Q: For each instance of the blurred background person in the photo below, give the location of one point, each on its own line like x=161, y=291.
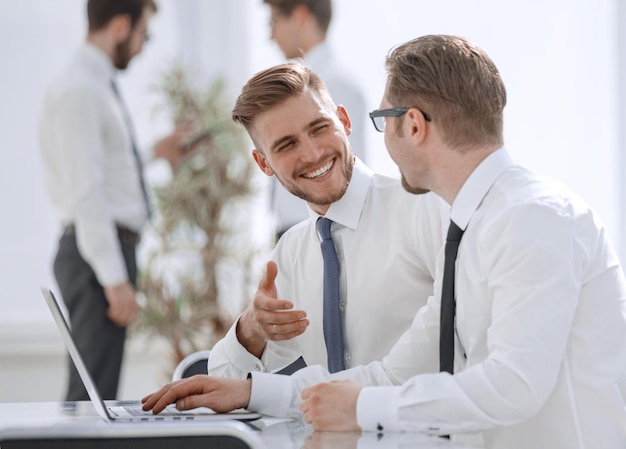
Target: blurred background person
x=300, y=28
x=93, y=174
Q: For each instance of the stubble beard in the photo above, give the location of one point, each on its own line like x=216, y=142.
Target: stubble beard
x=319, y=199
x=122, y=56
x=411, y=189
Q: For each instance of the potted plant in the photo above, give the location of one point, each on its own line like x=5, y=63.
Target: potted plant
x=195, y=241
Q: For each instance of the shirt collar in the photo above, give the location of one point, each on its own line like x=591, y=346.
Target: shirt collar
x=347, y=210
x=98, y=61
x=477, y=185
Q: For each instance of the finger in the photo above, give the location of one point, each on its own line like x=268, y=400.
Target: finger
x=191, y=402
x=306, y=393
x=269, y=303
x=278, y=332
x=281, y=317
x=115, y=315
x=271, y=271
x=150, y=400
x=169, y=394
x=133, y=312
x=121, y=317
x=304, y=406
x=282, y=337
x=276, y=323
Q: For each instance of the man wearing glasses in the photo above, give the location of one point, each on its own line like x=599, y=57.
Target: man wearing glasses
x=93, y=173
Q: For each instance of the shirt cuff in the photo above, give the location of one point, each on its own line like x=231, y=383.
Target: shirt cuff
x=377, y=409
x=234, y=353
x=271, y=394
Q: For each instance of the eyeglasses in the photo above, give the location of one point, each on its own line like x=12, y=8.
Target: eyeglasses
x=378, y=116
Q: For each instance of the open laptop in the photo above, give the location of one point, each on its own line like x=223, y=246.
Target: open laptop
x=129, y=411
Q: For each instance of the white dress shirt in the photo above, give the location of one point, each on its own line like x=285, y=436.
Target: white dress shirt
x=343, y=88
x=387, y=242
x=88, y=163
x=540, y=323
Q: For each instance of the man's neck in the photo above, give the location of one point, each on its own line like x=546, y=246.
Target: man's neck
x=457, y=167
x=101, y=41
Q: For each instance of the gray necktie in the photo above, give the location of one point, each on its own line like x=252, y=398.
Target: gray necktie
x=142, y=182
x=448, y=301
x=333, y=333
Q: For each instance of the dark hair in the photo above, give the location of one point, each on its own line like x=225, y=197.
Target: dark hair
x=455, y=82
x=100, y=12
x=271, y=87
x=322, y=10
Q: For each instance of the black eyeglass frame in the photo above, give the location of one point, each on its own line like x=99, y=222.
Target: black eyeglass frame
x=392, y=112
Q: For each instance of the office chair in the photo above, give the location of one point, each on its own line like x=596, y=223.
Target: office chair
x=195, y=363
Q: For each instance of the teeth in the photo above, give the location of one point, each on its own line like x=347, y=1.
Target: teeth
x=319, y=172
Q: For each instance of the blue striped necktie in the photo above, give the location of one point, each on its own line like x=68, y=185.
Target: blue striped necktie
x=333, y=332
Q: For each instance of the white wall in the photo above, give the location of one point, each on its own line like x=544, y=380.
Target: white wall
x=558, y=59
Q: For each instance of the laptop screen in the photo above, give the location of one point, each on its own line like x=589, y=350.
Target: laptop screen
x=66, y=334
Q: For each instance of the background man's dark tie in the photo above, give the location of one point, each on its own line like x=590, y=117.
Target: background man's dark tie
x=333, y=332
x=129, y=125
x=448, y=302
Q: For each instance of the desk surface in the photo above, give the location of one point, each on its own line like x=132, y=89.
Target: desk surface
x=50, y=421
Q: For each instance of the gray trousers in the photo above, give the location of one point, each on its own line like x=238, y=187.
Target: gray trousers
x=99, y=340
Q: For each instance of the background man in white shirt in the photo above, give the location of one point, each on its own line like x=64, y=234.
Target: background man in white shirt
x=93, y=175
x=301, y=138
x=299, y=28
x=540, y=293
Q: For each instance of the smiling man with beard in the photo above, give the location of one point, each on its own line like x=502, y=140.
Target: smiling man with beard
x=301, y=136
x=93, y=173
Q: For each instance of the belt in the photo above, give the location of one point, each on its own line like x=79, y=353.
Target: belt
x=123, y=233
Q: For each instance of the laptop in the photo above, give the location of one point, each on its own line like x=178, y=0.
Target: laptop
x=129, y=411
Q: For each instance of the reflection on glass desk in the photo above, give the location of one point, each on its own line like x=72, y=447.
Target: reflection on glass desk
x=70, y=425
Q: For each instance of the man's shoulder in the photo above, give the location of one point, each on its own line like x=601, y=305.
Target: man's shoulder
x=76, y=76
x=294, y=233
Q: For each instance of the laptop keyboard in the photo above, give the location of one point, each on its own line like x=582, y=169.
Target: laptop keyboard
x=137, y=411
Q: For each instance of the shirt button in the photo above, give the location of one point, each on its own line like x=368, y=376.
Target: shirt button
x=257, y=367
x=348, y=357
x=342, y=304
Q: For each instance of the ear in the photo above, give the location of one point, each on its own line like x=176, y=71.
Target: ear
x=261, y=161
x=120, y=27
x=300, y=14
x=416, y=125
x=344, y=118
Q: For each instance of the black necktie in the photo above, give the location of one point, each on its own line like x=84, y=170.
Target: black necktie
x=448, y=302
x=129, y=125
x=332, y=322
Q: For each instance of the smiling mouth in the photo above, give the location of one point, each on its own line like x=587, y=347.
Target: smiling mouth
x=320, y=171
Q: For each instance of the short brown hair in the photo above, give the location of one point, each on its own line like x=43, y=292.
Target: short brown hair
x=322, y=10
x=271, y=87
x=455, y=82
x=100, y=12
